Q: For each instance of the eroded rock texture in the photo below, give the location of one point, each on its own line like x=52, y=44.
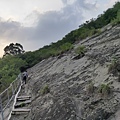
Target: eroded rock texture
x=67, y=80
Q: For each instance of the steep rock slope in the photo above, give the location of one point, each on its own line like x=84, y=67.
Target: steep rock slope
x=74, y=85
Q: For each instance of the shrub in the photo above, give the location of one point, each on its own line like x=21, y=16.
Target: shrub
x=45, y=90
x=117, y=19
x=104, y=89
x=66, y=47
x=98, y=31
x=22, y=105
x=80, y=50
x=114, y=67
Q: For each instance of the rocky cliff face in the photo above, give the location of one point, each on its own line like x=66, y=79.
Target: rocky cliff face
x=85, y=88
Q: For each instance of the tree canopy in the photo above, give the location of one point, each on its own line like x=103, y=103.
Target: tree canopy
x=13, y=49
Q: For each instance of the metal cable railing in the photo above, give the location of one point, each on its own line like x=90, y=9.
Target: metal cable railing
x=7, y=98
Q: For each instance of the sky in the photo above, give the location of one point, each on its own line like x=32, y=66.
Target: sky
x=36, y=23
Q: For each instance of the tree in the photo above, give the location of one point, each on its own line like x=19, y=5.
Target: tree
x=13, y=49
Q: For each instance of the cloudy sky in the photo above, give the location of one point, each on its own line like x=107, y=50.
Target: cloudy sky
x=35, y=23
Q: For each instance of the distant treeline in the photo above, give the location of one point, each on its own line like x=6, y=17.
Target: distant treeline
x=10, y=64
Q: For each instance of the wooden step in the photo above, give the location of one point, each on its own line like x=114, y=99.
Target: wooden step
x=20, y=97
x=22, y=104
x=20, y=111
x=23, y=99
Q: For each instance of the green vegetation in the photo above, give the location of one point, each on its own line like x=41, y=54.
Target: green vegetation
x=13, y=49
x=66, y=47
x=86, y=29
x=113, y=66
x=9, y=70
x=117, y=19
x=22, y=105
x=104, y=89
x=15, y=57
x=80, y=50
x=45, y=90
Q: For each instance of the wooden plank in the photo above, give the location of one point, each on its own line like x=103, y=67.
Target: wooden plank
x=23, y=97
x=22, y=104
x=21, y=110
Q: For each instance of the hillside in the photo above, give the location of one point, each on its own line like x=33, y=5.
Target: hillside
x=72, y=86
x=11, y=64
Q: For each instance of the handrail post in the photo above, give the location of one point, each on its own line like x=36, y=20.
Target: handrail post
x=1, y=108
x=14, y=88
x=13, y=92
x=8, y=96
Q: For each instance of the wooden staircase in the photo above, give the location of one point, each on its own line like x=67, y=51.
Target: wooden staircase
x=23, y=98
x=22, y=103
